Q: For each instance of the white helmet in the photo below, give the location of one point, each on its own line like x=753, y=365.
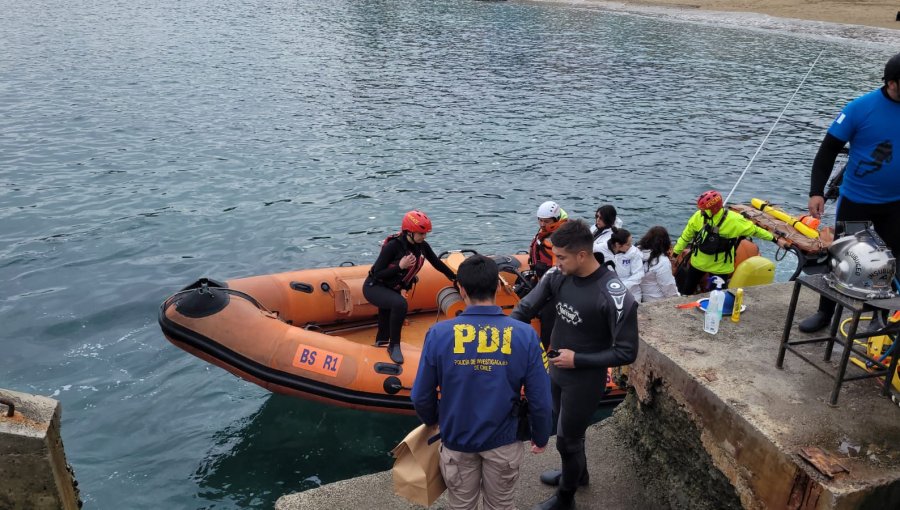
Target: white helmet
x=548, y=209
x=862, y=266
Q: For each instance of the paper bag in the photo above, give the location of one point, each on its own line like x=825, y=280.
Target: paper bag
x=417, y=471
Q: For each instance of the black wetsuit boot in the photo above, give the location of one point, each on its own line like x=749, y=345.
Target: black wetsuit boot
x=393, y=350
x=574, y=467
x=551, y=477
x=561, y=500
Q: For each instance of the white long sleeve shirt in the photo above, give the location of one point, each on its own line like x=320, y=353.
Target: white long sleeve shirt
x=658, y=282
x=601, y=242
x=630, y=268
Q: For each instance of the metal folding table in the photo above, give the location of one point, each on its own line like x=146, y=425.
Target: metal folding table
x=856, y=307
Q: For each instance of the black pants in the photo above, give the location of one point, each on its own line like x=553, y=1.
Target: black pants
x=693, y=278
x=392, y=309
x=575, y=404
x=883, y=218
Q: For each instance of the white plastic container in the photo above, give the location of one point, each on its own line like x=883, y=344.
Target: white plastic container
x=714, y=307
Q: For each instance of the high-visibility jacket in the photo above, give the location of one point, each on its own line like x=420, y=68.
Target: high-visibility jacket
x=733, y=227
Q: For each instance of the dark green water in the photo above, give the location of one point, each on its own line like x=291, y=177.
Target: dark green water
x=145, y=144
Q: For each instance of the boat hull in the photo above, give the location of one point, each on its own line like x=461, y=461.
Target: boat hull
x=310, y=333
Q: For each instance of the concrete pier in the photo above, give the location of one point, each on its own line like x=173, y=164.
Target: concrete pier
x=615, y=481
x=753, y=420
x=712, y=424
x=33, y=469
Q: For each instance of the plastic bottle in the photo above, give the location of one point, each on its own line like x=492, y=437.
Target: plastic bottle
x=736, y=309
x=714, y=307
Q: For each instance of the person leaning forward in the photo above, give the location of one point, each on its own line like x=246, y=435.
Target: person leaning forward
x=481, y=360
x=870, y=190
x=595, y=328
x=713, y=234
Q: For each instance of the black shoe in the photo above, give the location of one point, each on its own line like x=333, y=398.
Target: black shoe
x=561, y=500
x=876, y=323
x=553, y=476
x=382, y=343
x=395, y=354
x=815, y=322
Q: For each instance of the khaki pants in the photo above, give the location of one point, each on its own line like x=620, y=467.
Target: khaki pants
x=490, y=476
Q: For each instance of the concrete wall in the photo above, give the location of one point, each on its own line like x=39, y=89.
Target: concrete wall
x=712, y=411
x=33, y=469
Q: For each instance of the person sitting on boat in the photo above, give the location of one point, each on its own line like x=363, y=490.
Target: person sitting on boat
x=629, y=264
x=402, y=257
x=479, y=362
x=713, y=234
x=540, y=256
x=604, y=220
x=658, y=281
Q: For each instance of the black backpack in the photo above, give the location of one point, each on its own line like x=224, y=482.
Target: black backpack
x=709, y=241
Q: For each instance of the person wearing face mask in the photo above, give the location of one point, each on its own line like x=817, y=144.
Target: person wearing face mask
x=658, y=281
x=605, y=219
x=713, y=234
x=629, y=264
x=402, y=256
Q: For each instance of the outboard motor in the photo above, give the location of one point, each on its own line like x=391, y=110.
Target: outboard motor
x=862, y=266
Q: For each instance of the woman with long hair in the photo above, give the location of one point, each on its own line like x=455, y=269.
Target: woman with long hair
x=658, y=282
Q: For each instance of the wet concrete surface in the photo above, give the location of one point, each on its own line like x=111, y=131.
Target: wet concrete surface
x=712, y=423
x=615, y=481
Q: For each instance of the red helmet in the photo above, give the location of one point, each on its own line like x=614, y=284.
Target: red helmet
x=710, y=201
x=416, y=221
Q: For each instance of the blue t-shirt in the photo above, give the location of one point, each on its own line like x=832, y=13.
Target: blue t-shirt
x=481, y=360
x=871, y=123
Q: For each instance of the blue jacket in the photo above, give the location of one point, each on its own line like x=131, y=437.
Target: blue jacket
x=480, y=360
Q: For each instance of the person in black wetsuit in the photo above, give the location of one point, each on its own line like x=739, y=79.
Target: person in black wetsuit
x=595, y=328
x=402, y=257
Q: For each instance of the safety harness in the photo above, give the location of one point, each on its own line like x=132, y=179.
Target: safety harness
x=708, y=240
x=408, y=279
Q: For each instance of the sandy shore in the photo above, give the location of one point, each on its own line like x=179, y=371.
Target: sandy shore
x=870, y=13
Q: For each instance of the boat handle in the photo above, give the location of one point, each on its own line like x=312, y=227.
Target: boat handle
x=12, y=407
x=392, y=385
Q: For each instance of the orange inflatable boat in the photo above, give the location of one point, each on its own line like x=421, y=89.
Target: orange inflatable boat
x=311, y=333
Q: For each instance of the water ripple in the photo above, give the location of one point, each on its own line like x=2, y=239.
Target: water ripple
x=145, y=144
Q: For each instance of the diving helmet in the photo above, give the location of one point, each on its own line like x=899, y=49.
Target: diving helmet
x=862, y=266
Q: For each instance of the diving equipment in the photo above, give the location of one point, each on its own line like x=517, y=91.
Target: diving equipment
x=862, y=266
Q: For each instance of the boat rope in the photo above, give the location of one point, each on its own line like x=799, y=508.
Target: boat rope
x=772, y=129
x=171, y=300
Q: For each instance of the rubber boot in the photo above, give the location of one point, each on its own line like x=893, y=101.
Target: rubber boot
x=815, y=322
x=552, y=477
x=394, y=352
x=561, y=500
x=876, y=323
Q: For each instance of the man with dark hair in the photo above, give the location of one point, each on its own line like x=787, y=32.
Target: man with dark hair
x=595, y=328
x=870, y=190
x=481, y=360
